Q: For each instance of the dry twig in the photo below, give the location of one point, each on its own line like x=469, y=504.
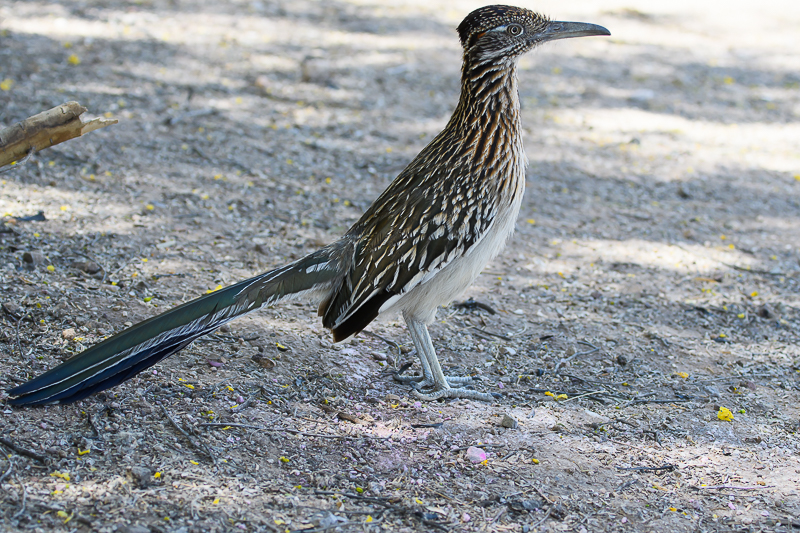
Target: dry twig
x=667, y=468
x=289, y=430
x=19, y=164
x=576, y=354
x=733, y=487
x=201, y=446
x=10, y=467
x=24, y=498
x=22, y=451
x=46, y=129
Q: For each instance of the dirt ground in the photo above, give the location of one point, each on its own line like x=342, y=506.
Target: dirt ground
x=653, y=278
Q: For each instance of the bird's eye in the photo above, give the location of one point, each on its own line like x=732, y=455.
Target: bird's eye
x=514, y=29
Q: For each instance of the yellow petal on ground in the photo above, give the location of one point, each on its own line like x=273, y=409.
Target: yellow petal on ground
x=725, y=414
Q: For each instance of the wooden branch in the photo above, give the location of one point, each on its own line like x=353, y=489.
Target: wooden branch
x=46, y=129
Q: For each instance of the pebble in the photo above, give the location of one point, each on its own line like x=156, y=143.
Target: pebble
x=596, y=418
x=509, y=350
x=68, y=334
x=476, y=455
x=35, y=257
x=509, y=422
x=11, y=308
x=90, y=267
x=765, y=311
x=642, y=95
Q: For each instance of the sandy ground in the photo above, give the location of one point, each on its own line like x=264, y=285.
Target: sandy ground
x=652, y=280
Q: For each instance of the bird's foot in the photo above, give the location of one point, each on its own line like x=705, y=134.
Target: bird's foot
x=415, y=381
x=461, y=393
x=424, y=382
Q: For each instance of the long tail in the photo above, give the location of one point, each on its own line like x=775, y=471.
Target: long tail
x=127, y=353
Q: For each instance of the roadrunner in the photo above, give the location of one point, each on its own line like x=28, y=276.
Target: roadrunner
x=418, y=246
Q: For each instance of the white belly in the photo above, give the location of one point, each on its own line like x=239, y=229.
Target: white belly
x=422, y=301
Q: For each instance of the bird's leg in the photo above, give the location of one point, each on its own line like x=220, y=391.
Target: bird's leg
x=442, y=385
x=425, y=380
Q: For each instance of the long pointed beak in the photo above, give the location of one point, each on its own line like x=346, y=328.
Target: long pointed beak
x=566, y=30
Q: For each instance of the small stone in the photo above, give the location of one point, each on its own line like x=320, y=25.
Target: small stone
x=509, y=422
x=262, y=249
x=392, y=398
x=765, y=311
x=748, y=384
x=90, y=267
x=34, y=258
x=596, y=419
x=642, y=96
x=260, y=360
x=476, y=455
x=379, y=356
x=11, y=308
x=140, y=475
x=132, y=528
x=509, y=350
x=317, y=70
x=69, y=334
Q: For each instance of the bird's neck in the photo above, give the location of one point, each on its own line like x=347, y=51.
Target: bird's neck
x=486, y=124
x=489, y=91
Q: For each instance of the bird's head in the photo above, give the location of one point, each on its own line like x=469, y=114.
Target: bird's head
x=501, y=33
